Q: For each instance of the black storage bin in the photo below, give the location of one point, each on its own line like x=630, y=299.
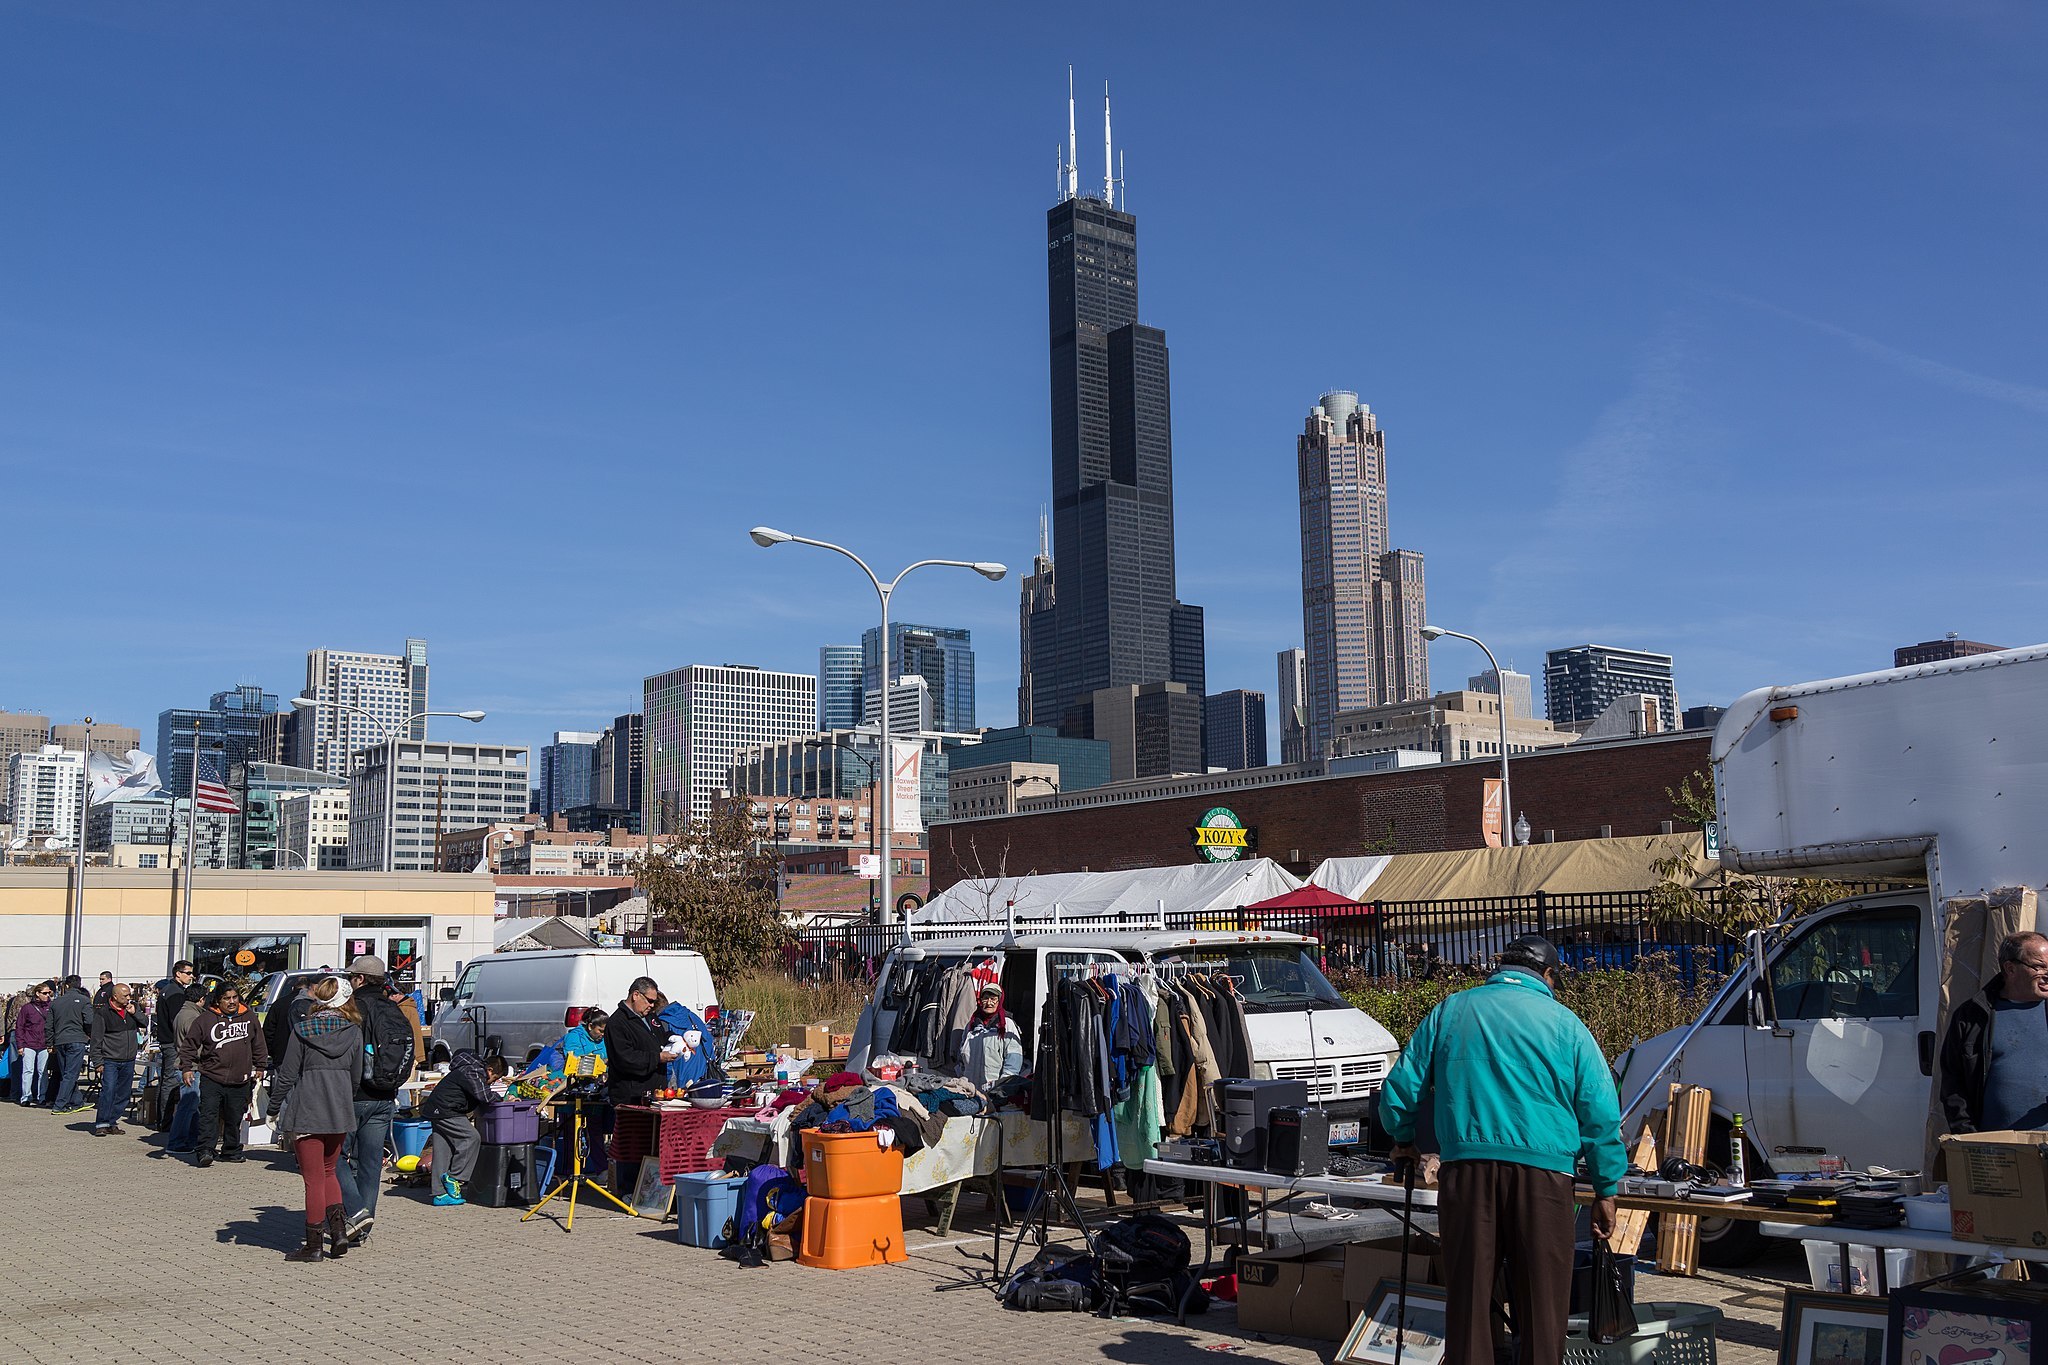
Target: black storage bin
x=505, y=1176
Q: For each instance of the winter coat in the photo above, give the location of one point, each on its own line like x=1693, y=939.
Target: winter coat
x=71, y=1019
x=465, y=1089
x=1966, y=1058
x=32, y=1027
x=989, y=1053
x=632, y=1056
x=116, y=1033
x=170, y=998
x=226, y=1049
x=315, y=1090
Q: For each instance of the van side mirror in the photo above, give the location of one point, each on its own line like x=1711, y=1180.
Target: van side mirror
x=447, y=996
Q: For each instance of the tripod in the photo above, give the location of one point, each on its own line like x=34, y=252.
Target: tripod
x=575, y=1180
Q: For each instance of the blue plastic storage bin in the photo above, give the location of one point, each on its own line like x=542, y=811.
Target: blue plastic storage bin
x=705, y=1203
x=410, y=1136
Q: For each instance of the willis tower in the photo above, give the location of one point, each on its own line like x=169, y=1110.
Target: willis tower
x=1109, y=618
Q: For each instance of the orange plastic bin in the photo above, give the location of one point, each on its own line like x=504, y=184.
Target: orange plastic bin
x=850, y=1166
x=845, y=1234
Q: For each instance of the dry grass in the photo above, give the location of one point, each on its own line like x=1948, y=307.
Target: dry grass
x=780, y=1004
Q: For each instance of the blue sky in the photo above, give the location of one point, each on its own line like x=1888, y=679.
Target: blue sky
x=1710, y=329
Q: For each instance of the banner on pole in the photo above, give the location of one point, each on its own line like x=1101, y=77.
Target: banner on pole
x=906, y=798
x=121, y=779
x=1490, y=819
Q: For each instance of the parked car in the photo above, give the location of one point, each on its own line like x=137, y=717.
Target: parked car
x=527, y=1000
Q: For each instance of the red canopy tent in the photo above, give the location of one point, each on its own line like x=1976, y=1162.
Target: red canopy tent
x=1317, y=901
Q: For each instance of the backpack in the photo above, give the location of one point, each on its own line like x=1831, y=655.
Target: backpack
x=1057, y=1280
x=387, y=1038
x=1146, y=1246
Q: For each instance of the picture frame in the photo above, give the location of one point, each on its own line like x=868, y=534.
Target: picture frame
x=1820, y=1328
x=651, y=1195
x=1982, y=1322
x=1423, y=1327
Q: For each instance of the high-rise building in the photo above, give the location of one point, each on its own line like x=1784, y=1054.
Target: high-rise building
x=1701, y=717
x=941, y=655
x=263, y=789
x=698, y=717
x=373, y=695
x=1949, y=646
x=1293, y=702
x=567, y=768
x=620, y=768
x=1362, y=601
x=232, y=719
x=1580, y=682
x=312, y=830
x=1034, y=598
x=1520, y=690
x=1080, y=763
x=912, y=709
x=1113, y=621
x=438, y=787
x=839, y=687
x=20, y=733
x=97, y=737
x=842, y=764
x=1153, y=729
x=1234, y=729
x=44, y=788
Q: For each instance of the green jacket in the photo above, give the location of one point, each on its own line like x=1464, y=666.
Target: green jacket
x=1513, y=1076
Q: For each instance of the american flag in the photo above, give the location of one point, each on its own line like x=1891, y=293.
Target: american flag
x=208, y=792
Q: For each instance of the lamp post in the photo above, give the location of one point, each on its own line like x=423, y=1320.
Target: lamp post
x=767, y=537
x=1507, y=805
x=75, y=950
x=391, y=737
x=1017, y=782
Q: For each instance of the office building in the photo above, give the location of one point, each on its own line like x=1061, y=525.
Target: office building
x=1580, y=682
x=1113, y=621
x=438, y=787
x=263, y=788
x=996, y=788
x=150, y=832
x=1949, y=646
x=1362, y=601
x=20, y=733
x=1234, y=730
x=562, y=852
x=1081, y=763
x=1293, y=703
x=567, y=771
x=600, y=818
x=232, y=719
x=97, y=737
x=839, y=687
x=1152, y=729
x=1034, y=598
x=312, y=830
x=941, y=655
x=381, y=694
x=842, y=764
x=44, y=788
x=619, y=770
x=699, y=717
x=1701, y=717
x=912, y=708
x=1453, y=725
x=1520, y=689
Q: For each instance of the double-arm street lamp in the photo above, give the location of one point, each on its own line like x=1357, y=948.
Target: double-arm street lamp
x=391, y=737
x=1500, y=684
x=767, y=537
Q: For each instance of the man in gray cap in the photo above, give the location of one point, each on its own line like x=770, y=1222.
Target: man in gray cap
x=391, y=1052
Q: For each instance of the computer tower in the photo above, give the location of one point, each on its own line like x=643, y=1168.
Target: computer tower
x=1298, y=1141
x=1242, y=1108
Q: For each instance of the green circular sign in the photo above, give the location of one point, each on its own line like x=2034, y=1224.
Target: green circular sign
x=1221, y=837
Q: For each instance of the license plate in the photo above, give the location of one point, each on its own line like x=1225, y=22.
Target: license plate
x=1344, y=1133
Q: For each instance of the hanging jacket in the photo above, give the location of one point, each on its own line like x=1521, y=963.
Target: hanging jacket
x=676, y=1018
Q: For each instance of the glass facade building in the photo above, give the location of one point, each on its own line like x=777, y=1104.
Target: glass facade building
x=942, y=655
x=1234, y=729
x=233, y=719
x=1083, y=763
x=1579, y=682
x=567, y=768
x=839, y=686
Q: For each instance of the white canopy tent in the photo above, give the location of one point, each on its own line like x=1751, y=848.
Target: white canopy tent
x=1135, y=893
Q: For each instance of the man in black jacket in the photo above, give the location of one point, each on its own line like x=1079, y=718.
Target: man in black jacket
x=171, y=994
x=635, y=1056
x=1994, y=1061
x=70, y=1035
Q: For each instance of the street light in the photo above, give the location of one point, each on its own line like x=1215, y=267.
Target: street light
x=391, y=737
x=767, y=537
x=1017, y=782
x=1507, y=805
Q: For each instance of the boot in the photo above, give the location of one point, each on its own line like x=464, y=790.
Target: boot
x=337, y=1231
x=311, y=1250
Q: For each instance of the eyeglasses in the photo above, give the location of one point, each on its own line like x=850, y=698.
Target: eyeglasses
x=2032, y=968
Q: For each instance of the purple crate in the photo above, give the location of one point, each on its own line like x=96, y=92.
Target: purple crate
x=510, y=1122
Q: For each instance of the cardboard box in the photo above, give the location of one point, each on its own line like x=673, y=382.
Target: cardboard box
x=815, y=1039
x=1998, y=1187
x=1367, y=1263
x=1287, y=1293
x=842, y=1045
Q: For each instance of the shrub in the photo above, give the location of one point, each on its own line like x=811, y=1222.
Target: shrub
x=780, y=1004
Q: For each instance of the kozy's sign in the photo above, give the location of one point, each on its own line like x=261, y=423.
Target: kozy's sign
x=1221, y=837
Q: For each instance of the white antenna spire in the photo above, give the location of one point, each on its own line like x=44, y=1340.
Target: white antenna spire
x=1119, y=181
x=1073, y=174
x=1044, y=545
x=1059, y=168
x=1108, y=161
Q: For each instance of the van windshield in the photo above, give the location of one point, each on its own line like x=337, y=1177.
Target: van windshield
x=1270, y=976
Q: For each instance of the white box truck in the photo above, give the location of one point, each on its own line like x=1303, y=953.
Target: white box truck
x=1824, y=1039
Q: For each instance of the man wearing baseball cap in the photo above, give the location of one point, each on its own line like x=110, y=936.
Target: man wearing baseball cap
x=391, y=1047
x=1519, y=1092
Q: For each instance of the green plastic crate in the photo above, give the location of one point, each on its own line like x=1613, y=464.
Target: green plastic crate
x=1666, y=1334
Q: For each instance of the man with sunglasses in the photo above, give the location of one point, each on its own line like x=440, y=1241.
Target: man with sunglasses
x=1994, y=1061
x=634, y=1045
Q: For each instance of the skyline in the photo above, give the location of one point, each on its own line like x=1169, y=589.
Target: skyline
x=1732, y=332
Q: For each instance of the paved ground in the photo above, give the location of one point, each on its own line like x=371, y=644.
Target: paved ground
x=107, y=1248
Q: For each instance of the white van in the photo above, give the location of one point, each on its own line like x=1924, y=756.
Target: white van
x=1300, y=1028
x=529, y=1000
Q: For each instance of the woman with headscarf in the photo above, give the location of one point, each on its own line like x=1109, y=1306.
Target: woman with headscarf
x=313, y=1097
x=992, y=1049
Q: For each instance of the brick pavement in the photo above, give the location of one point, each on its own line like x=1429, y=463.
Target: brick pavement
x=106, y=1247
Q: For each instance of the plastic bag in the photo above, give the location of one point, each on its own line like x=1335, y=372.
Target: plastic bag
x=1612, y=1313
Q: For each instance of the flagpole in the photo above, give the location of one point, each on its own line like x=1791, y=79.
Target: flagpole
x=191, y=833
x=76, y=962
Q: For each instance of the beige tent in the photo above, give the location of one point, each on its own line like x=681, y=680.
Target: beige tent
x=1558, y=869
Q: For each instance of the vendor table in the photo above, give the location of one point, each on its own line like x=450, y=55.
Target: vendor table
x=1894, y=1239
x=1372, y=1189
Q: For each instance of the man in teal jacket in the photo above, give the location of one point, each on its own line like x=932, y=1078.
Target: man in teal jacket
x=1517, y=1091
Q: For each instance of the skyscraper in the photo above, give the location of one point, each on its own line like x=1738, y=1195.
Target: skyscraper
x=1234, y=729
x=1034, y=598
x=390, y=688
x=567, y=769
x=1116, y=619
x=839, y=687
x=942, y=655
x=1293, y=702
x=619, y=772
x=1579, y=682
x=1519, y=691
x=698, y=717
x=1362, y=603
x=234, y=719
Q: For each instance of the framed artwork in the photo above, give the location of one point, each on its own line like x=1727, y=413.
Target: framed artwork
x=650, y=1196
x=1833, y=1329
x=1987, y=1322
x=1422, y=1320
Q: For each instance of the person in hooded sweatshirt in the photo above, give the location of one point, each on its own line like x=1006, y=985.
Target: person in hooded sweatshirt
x=457, y=1144
x=313, y=1098
x=221, y=1056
